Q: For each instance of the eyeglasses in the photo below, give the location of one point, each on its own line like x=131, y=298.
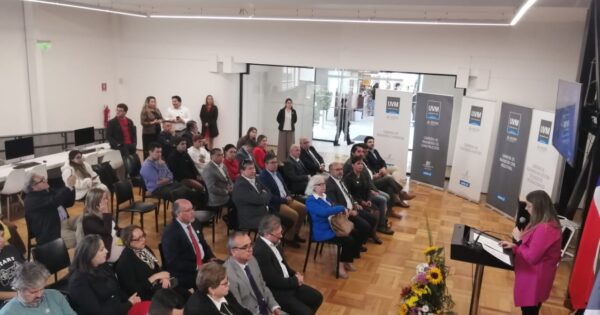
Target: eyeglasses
x=247, y=247
x=43, y=180
x=224, y=283
x=143, y=236
x=319, y=184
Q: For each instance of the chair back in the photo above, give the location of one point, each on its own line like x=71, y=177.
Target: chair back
x=163, y=260
x=91, y=159
x=114, y=158
x=39, y=170
x=107, y=174
x=133, y=165
x=123, y=191
x=53, y=255
x=15, y=182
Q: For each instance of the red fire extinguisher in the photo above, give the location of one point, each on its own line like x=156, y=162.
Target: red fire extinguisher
x=106, y=115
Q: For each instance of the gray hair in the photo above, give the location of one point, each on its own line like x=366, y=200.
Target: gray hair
x=334, y=164
x=30, y=275
x=231, y=240
x=310, y=188
x=268, y=224
x=295, y=145
x=177, y=206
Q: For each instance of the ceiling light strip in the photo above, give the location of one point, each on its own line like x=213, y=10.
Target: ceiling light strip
x=85, y=7
x=325, y=20
x=522, y=10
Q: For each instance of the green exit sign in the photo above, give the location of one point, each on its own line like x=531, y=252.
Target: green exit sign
x=43, y=45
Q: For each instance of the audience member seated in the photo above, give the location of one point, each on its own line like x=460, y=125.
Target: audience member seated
x=159, y=179
x=86, y=177
x=121, y=133
x=191, y=130
x=250, y=135
x=217, y=181
x=98, y=219
x=245, y=153
x=165, y=138
x=287, y=285
x=93, y=287
x=45, y=208
x=364, y=218
x=231, y=163
x=183, y=244
x=311, y=159
x=250, y=198
x=184, y=170
x=198, y=153
x=9, y=260
x=294, y=171
x=361, y=189
x=246, y=282
x=319, y=209
x=166, y=302
x=213, y=296
x=260, y=151
x=31, y=297
x=282, y=202
x=138, y=269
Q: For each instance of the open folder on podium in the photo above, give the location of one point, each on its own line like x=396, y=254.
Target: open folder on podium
x=476, y=247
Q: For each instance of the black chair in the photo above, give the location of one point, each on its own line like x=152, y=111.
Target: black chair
x=133, y=165
x=55, y=257
x=159, y=200
x=162, y=256
x=30, y=238
x=181, y=194
x=322, y=243
x=124, y=192
x=108, y=177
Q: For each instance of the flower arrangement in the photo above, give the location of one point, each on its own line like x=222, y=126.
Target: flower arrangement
x=427, y=292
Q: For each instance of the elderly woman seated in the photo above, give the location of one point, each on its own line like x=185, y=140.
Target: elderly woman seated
x=320, y=209
x=32, y=298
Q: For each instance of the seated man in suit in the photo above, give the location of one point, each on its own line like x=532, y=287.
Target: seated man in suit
x=365, y=219
x=311, y=159
x=287, y=285
x=245, y=153
x=281, y=202
x=245, y=279
x=45, y=208
x=250, y=197
x=183, y=244
x=217, y=181
x=294, y=171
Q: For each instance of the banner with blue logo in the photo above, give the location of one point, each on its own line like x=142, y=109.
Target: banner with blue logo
x=542, y=162
x=509, y=158
x=471, y=153
x=433, y=116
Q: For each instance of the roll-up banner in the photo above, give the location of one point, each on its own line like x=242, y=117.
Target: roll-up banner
x=542, y=163
x=472, y=147
x=391, y=127
x=433, y=116
x=509, y=158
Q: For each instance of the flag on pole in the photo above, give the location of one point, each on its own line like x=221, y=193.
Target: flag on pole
x=593, y=307
x=584, y=270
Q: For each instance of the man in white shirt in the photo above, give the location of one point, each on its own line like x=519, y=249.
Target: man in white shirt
x=177, y=114
x=198, y=153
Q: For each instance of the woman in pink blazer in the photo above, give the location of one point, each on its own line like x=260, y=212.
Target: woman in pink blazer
x=536, y=253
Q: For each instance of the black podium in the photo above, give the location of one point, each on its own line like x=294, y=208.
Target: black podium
x=464, y=248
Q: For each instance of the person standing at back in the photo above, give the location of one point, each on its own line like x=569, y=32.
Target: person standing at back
x=150, y=118
x=208, y=116
x=286, y=118
x=120, y=132
x=178, y=114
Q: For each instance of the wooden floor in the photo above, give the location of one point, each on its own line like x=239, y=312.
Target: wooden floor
x=385, y=269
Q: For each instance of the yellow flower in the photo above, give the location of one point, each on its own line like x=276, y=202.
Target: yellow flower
x=420, y=290
x=430, y=250
x=412, y=301
x=434, y=275
x=403, y=309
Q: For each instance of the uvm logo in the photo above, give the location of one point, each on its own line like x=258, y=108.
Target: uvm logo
x=475, y=116
x=544, y=134
x=514, y=122
x=433, y=110
x=392, y=106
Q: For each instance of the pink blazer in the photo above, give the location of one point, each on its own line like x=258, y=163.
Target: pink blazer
x=535, y=264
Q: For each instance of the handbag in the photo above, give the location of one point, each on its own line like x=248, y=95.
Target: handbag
x=340, y=224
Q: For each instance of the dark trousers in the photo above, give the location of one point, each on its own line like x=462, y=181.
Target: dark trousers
x=350, y=247
x=362, y=227
x=531, y=310
x=390, y=186
x=302, y=301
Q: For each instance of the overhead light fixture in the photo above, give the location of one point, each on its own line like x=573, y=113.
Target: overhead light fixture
x=325, y=20
x=528, y=4
x=86, y=7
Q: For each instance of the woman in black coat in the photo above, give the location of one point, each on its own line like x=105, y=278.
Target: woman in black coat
x=208, y=116
x=98, y=219
x=286, y=118
x=93, y=287
x=138, y=269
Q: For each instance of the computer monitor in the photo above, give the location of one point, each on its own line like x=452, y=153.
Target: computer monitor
x=84, y=136
x=18, y=148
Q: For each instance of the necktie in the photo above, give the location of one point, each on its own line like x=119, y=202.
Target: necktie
x=196, y=246
x=313, y=157
x=262, y=304
x=224, y=310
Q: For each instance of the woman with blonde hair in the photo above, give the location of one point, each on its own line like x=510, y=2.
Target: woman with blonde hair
x=98, y=219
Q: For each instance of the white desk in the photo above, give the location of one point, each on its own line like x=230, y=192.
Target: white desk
x=55, y=160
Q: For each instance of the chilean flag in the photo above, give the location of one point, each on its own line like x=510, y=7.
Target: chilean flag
x=593, y=307
x=586, y=262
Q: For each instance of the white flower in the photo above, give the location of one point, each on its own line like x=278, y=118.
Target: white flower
x=425, y=308
x=422, y=267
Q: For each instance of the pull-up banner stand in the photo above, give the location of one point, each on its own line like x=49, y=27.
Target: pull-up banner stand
x=391, y=127
x=472, y=147
x=509, y=158
x=433, y=116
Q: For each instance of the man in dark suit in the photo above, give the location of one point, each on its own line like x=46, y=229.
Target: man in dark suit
x=183, y=245
x=281, y=202
x=294, y=172
x=120, y=132
x=245, y=153
x=365, y=219
x=250, y=197
x=311, y=159
x=287, y=285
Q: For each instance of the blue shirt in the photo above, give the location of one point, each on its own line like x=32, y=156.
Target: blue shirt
x=152, y=171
